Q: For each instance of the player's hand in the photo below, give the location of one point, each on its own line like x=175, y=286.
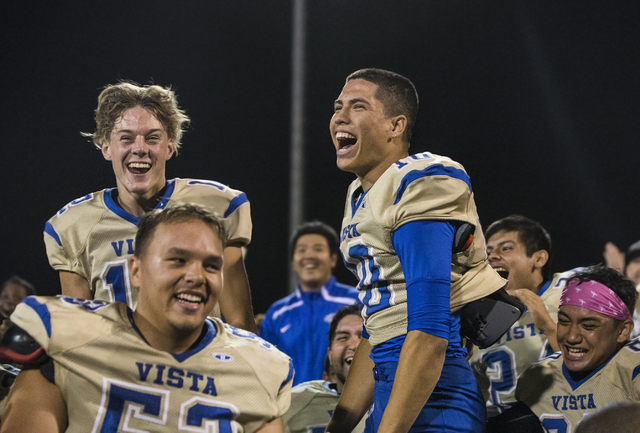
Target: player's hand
x=539, y=314
x=613, y=257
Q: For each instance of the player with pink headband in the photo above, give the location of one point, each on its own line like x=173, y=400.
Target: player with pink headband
x=597, y=364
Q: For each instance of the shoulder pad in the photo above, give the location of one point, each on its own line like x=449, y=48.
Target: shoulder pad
x=18, y=347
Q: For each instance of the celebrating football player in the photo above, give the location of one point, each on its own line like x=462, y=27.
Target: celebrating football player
x=163, y=367
x=403, y=215
x=90, y=239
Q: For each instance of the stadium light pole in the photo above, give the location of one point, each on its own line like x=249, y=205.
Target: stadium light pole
x=296, y=171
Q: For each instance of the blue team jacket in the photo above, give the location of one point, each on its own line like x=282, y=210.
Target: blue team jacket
x=299, y=326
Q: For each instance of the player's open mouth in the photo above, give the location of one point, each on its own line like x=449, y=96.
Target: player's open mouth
x=139, y=167
x=575, y=352
x=345, y=141
x=504, y=273
x=349, y=360
x=189, y=299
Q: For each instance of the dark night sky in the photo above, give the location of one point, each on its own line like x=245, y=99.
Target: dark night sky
x=538, y=99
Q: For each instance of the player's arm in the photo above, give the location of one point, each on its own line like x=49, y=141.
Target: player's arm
x=235, y=300
x=75, y=285
x=539, y=314
x=428, y=278
x=419, y=368
x=275, y=426
x=357, y=394
x=34, y=405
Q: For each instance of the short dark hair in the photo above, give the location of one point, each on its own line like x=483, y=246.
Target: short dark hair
x=316, y=228
x=172, y=215
x=397, y=94
x=28, y=287
x=618, y=283
x=530, y=233
x=343, y=312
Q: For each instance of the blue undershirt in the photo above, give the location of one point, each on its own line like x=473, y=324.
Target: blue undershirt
x=424, y=249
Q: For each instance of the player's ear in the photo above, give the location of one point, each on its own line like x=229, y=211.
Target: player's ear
x=171, y=149
x=398, y=125
x=106, y=150
x=134, y=270
x=540, y=258
x=625, y=331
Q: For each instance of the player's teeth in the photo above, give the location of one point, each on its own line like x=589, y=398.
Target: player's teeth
x=189, y=298
x=348, y=360
x=139, y=165
x=340, y=135
x=576, y=352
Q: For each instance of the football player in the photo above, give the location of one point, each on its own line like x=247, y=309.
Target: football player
x=520, y=250
x=163, y=367
x=89, y=241
x=313, y=402
x=401, y=220
x=597, y=364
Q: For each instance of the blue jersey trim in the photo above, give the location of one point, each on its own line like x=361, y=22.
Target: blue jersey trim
x=204, y=342
x=289, y=376
x=237, y=201
x=432, y=170
x=113, y=207
x=180, y=357
x=635, y=372
x=575, y=384
x=544, y=288
x=356, y=205
x=48, y=229
x=42, y=311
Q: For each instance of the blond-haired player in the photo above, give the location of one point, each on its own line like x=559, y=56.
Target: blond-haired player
x=89, y=240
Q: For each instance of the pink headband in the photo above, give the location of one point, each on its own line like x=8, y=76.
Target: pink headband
x=595, y=297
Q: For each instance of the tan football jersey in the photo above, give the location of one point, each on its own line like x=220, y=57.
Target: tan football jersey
x=497, y=368
x=420, y=187
x=112, y=380
x=561, y=402
x=93, y=237
x=312, y=405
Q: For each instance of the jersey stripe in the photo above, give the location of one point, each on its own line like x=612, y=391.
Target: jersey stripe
x=236, y=202
x=432, y=170
x=48, y=229
x=288, y=308
x=42, y=311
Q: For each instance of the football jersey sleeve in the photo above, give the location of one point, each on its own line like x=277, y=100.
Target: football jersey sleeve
x=34, y=317
x=67, y=232
x=230, y=204
x=422, y=191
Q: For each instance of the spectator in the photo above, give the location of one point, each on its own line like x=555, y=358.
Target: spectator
x=299, y=323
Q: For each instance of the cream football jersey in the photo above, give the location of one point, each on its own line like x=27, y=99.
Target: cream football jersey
x=112, y=380
x=497, y=368
x=93, y=236
x=420, y=187
x=312, y=405
x=561, y=403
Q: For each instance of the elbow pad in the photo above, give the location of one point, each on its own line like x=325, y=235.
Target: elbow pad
x=18, y=347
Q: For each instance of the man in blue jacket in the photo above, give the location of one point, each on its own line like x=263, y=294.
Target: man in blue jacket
x=299, y=323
